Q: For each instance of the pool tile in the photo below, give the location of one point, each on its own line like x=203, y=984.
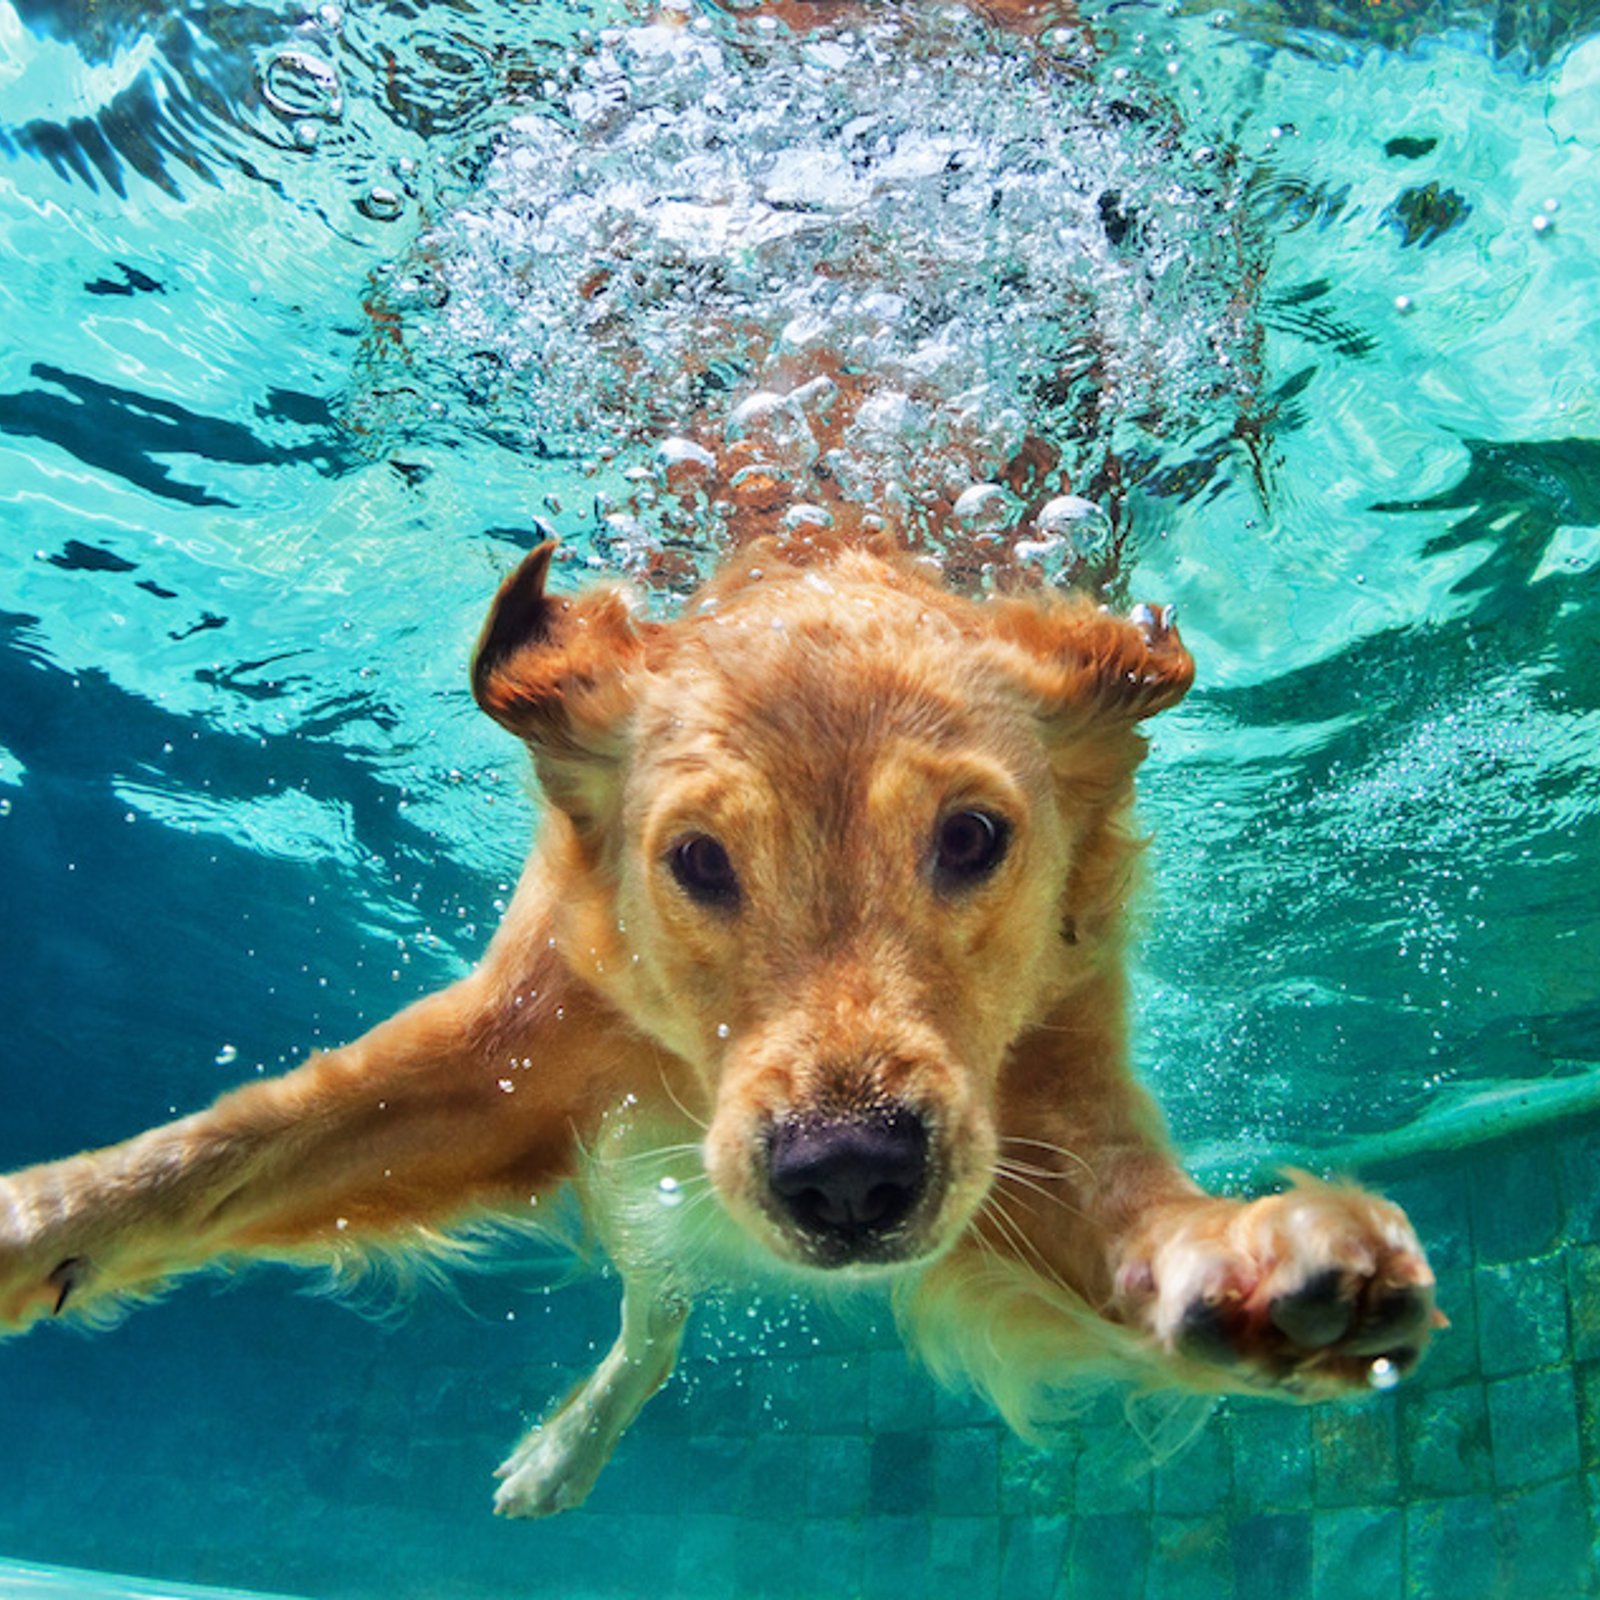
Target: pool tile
x=964, y=1556
x=901, y=1474
x=1578, y=1158
x=899, y=1395
x=966, y=1471
x=1033, y=1553
x=1583, y=1299
x=833, y=1555
x=769, y=1560
x=1192, y=1558
x=1438, y=1204
x=1451, y=1550
x=1037, y=1481
x=707, y=1556
x=1546, y=1543
x=1517, y=1204
x=1355, y=1453
x=1271, y=1455
x=838, y=1474
x=771, y=1475
x=1199, y=1478
x=1272, y=1556
x=1444, y=1440
x=1533, y=1424
x=1453, y=1351
x=1522, y=1314
x=896, y=1558
x=1107, y=1556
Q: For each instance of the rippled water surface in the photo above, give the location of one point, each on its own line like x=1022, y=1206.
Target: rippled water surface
x=314, y=318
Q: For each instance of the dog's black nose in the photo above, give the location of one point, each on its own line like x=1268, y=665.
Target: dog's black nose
x=848, y=1181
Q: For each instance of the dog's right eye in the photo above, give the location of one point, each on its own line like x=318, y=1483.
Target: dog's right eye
x=703, y=870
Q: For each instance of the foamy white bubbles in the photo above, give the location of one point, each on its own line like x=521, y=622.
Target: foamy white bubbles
x=712, y=227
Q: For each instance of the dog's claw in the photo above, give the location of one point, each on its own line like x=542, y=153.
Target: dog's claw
x=67, y=1276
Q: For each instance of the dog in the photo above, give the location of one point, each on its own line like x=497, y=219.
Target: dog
x=816, y=974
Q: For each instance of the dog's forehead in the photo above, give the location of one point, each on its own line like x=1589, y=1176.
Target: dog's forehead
x=819, y=663
x=828, y=711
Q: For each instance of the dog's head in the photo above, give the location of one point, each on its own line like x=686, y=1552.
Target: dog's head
x=835, y=838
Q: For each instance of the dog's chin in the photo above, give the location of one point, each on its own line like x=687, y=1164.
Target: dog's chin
x=900, y=1252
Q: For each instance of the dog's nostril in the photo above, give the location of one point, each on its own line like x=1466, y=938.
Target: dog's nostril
x=852, y=1179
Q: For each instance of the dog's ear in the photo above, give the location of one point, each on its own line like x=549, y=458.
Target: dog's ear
x=560, y=671
x=1084, y=663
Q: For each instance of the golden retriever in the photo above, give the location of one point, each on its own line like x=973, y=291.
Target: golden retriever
x=817, y=970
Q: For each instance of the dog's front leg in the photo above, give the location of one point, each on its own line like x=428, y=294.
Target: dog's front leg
x=465, y=1104
x=555, y=1465
x=1322, y=1288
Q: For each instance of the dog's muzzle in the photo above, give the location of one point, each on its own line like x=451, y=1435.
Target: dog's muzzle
x=850, y=1185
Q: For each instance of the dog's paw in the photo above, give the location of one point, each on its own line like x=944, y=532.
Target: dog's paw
x=554, y=1467
x=1317, y=1290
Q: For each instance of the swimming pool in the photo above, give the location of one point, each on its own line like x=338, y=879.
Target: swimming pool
x=246, y=807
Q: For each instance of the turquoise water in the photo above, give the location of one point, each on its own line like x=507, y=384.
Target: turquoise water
x=281, y=395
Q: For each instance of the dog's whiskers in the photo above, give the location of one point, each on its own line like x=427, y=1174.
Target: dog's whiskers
x=690, y=1147
x=1014, y=1235
x=1003, y=1174
x=1051, y=1149
x=666, y=1083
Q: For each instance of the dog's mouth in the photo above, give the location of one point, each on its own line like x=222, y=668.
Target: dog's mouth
x=853, y=1189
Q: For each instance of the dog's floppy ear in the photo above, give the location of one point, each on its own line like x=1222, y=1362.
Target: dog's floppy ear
x=558, y=671
x=1081, y=661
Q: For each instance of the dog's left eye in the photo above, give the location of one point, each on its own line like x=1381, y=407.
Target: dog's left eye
x=703, y=870
x=968, y=847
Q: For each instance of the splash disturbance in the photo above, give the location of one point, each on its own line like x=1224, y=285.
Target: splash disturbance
x=940, y=273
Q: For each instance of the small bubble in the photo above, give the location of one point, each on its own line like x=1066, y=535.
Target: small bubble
x=381, y=204
x=297, y=84
x=1383, y=1374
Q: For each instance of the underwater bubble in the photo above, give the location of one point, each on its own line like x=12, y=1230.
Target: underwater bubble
x=669, y=1192
x=297, y=84
x=986, y=508
x=381, y=204
x=227, y=1055
x=1383, y=1374
x=807, y=516
x=682, y=460
x=1083, y=524
x=775, y=429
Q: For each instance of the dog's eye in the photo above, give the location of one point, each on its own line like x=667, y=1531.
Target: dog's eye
x=968, y=847
x=703, y=870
